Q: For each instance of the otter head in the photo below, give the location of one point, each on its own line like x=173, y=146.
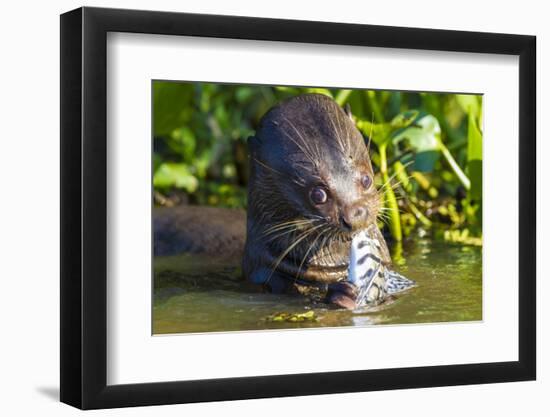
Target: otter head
x=309, y=161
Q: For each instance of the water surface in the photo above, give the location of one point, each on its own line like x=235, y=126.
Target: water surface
x=203, y=294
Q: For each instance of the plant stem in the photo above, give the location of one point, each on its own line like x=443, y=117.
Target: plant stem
x=454, y=166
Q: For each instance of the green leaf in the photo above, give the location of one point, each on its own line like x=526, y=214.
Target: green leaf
x=379, y=133
x=423, y=136
x=475, y=153
x=404, y=119
x=175, y=175
x=471, y=104
x=184, y=142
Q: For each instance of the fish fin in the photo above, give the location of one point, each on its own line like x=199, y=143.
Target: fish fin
x=396, y=283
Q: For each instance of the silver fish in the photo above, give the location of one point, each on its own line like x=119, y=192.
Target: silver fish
x=373, y=279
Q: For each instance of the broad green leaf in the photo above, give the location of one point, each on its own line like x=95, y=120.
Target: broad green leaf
x=379, y=133
x=404, y=119
x=423, y=136
x=175, y=175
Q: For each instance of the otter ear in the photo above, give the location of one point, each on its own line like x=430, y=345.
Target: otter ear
x=347, y=110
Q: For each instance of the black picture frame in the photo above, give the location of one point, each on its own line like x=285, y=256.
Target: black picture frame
x=84, y=207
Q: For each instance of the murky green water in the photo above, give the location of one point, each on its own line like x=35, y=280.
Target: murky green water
x=201, y=294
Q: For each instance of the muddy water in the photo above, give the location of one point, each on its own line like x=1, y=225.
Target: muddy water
x=202, y=294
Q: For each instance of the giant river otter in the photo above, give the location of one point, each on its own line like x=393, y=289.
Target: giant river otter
x=311, y=190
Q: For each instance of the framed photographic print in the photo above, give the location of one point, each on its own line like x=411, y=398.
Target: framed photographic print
x=258, y=208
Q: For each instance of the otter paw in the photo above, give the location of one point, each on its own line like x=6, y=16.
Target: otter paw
x=342, y=295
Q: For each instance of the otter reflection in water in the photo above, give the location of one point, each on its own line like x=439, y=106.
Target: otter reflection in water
x=311, y=191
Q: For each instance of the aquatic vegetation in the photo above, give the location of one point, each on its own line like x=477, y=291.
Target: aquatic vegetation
x=292, y=317
x=426, y=148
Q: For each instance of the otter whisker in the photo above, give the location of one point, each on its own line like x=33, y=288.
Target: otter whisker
x=284, y=233
x=370, y=133
x=284, y=225
x=309, y=152
x=383, y=215
x=296, y=220
x=386, y=211
x=338, y=135
x=280, y=234
x=388, y=181
x=309, y=249
x=386, y=221
x=395, y=174
x=267, y=166
x=348, y=141
x=327, y=233
x=287, y=229
x=292, y=246
x=280, y=228
x=396, y=184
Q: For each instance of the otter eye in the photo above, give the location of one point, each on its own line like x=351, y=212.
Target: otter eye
x=318, y=195
x=366, y=181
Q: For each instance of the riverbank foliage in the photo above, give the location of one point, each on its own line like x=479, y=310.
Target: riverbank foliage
x=426, y=149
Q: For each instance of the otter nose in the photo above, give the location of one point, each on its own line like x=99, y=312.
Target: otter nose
x=353, y=217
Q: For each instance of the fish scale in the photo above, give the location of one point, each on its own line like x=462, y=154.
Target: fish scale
x=367, y=272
